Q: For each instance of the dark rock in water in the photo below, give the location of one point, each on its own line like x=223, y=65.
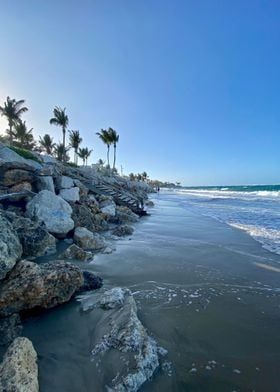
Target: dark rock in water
x=19, y=369
x=75, y=252
x=91, y=282
x=10, y=247
x=123, y=230
x=124, y=335
x=124, y=215
x=34, y=237
x=88, y=240
x=10, y=328
x=30, y=286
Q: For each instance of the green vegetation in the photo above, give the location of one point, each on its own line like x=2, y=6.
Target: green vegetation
x=47, y=144
x=22, y=137
x=84, y=154
x=25, y=153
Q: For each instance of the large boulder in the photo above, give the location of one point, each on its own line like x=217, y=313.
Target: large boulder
x=89, y=216
x=123, y=230
x=15, y=176
x=76, y=253
x=88, y=240
x=32, y=286
x=10, y=247
x=53, y=211
x=64, y=182
x=108, y=206
x=91, y=282
x=21, y=187
x=19, y=369
x=123, y=215
x=9, y=157
x=70, y=194
x=34, y=237
x=45, y=183
x=136, y=353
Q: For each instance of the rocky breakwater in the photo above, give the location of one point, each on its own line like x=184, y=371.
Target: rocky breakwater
x=43, y=202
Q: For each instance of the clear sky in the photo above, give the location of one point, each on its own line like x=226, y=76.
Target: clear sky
x=191, y=86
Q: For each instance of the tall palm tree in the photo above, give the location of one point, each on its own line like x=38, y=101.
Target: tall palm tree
x=60, y=119
x=61, y=152
x=105, y=137
x=46, y=142
x=23, y=137
x=75, y=141
x=12, y=110
x=114, y=138
x=84, y=154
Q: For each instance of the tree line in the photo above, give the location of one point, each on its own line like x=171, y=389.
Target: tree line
x=19, y=135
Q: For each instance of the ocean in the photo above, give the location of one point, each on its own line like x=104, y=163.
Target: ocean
x=252, y=208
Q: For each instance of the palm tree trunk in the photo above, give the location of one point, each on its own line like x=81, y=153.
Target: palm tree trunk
x=114, y=156
x=10, y=134
x=108, y=150
x=64, y=152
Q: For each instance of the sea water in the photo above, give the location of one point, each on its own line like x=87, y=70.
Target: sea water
x=252, y=208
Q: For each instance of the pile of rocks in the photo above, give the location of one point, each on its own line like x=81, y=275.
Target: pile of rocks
x=42, y=203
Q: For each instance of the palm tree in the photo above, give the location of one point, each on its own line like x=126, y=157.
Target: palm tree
x=100, y=162
x=23, y=137
x=114, y=138
x=61, y=152
x=75, y=141
x=84, y=154
x=60, y=119
x=12, y=110
x=105, y=137
x=144, y=176
x=46, y=142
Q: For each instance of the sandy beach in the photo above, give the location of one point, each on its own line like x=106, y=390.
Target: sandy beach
x=201, y=293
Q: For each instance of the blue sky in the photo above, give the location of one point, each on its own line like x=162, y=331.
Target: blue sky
x=192, y=87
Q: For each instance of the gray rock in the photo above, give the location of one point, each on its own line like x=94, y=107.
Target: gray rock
x=108, y=208
x=10, y=328
x=124, y=215
x=123, y=230
x=91, y=282
x=19, y=369
x=15, y=176
x=125, y=333
x=10, y=247
x=53, y=211
x=88, y=240
x=84, y=216
x=82, y=187
x=33, y=286
x=77, y=253
x=45, y=183
x=49, y=159
x=70, y=194
x=35, y=239
x=9, y=156
x=64, y=182
x=21, y=187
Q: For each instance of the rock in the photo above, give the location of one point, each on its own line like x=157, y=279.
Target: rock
x=19, y=369
x=31, y=286
x=82, y=187
x=10, y=247
x=15, y=176
x=84, y=217
x=22, y=186
x=92, y=199
x=64, y=182
x=35, y=239
x=70, y=194
x=10, y=157
x=10, y=328
x=124, y=336
x=45, y=183
x=53, y=211
x=75, y=252
x=48, y=159
x=107, y=206
x=91, y=282
x=124, y=214
x=88, y=240
x=123, y=230
x=150, y=203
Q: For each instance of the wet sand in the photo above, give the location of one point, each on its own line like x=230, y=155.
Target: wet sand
x=202, y=293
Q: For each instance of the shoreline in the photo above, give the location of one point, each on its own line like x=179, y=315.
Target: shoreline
x=204, y=306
